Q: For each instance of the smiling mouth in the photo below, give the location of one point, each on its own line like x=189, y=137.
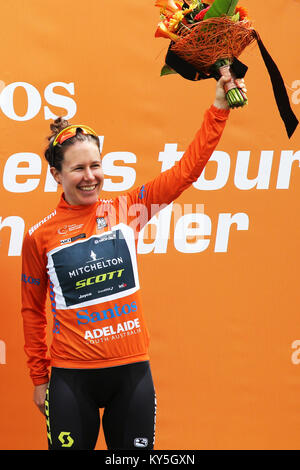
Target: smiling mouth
x=88, y=188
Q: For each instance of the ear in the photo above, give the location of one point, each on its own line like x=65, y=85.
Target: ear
x=56, y=174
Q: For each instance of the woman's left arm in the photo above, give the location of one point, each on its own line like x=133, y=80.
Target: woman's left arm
x=167, y=186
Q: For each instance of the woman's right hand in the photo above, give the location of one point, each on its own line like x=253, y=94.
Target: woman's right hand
x=39, y=396
x=220, y=98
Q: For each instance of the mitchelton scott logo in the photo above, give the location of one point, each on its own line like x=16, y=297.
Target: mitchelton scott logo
x=98, y=273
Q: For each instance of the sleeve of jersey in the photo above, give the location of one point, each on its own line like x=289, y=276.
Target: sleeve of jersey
x=34, y=291
x=166, y=187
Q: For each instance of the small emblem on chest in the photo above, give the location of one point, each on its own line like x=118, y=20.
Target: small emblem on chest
x=101, y=222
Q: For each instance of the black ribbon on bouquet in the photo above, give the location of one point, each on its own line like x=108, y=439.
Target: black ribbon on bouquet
x=239, y=69
x=279, y=90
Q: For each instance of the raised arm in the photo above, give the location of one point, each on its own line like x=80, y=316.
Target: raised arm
x=166, y=187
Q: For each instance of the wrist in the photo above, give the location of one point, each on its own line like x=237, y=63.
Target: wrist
x=221, y=104
x=221, y=113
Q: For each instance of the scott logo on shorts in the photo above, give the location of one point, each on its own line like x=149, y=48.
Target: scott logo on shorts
x=65, y=439
x=140, y=442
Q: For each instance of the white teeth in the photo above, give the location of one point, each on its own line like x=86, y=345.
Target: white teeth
x=88, y=188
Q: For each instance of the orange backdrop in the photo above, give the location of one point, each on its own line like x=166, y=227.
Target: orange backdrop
x=223, y=309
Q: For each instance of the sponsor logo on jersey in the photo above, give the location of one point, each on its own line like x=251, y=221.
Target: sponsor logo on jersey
x=69, y=228
x=91, y=265
x=101, y=223
x=100, y=278
x=114, y=331
x=30, y=280
x=84, y=316
x=104, y=238
x=89, y=270
x=72, y=239
x=48, y=217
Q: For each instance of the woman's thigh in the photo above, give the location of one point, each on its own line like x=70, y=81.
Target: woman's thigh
x=71, y=414
x=129, y=417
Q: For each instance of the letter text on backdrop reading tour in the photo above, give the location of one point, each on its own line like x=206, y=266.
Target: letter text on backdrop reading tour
x=194, y=224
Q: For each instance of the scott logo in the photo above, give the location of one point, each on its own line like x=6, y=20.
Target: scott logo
x=100, y=278
x=65, y=439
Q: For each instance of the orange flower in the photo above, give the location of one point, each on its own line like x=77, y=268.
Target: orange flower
x=169, y=5
x=163, y=32
x=243, y=13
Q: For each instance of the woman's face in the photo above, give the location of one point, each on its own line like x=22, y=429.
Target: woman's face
x=81, y=174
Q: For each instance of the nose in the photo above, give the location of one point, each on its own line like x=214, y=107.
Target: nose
x=88, y=174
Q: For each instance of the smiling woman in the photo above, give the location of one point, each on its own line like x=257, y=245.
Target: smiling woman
x=75, y=162
x=81, y=174
x=99, y=353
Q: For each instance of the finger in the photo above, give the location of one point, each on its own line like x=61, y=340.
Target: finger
x=241, y=84
x=224, y=79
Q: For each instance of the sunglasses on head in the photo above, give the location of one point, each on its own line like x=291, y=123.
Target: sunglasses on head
x=71, y=131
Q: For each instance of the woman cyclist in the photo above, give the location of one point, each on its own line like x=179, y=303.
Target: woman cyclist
x=83, y=254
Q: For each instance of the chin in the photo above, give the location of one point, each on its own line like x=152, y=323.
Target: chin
x=89, y=200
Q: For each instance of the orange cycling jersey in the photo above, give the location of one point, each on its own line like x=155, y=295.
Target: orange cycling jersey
x=85, y=258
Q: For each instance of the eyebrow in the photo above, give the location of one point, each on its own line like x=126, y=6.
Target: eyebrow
x=83, y=164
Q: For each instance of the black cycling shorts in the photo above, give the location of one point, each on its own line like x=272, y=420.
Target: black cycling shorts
x=126, y=393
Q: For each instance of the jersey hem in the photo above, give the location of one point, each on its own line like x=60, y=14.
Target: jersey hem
x=98, y=364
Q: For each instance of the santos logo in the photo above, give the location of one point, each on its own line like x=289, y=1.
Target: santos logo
x=94, y=317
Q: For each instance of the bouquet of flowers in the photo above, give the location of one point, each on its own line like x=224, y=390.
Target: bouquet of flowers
x=207, y=35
